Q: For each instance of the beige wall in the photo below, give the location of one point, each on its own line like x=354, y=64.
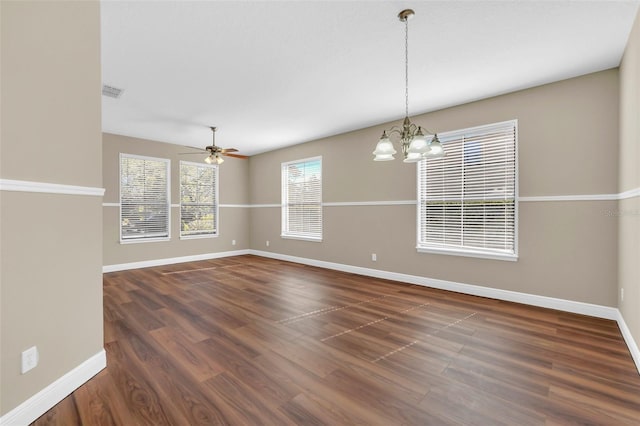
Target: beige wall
x=44, y=64
x=568, y=249
x=51, y=244
x=233, y=189
x=629, y=179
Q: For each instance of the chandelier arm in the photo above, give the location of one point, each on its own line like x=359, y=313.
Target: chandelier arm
x=396, y=130
x=427, y=131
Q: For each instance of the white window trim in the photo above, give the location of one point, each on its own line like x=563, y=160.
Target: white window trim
x=283, y=213
x=217, y=203
x=301, y=238
x=144, y=240
x=467, y=252
x=199, y=237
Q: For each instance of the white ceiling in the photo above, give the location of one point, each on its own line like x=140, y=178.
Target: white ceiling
x=271, y=74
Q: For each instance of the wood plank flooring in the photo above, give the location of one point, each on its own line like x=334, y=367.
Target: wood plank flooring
x=249, y=341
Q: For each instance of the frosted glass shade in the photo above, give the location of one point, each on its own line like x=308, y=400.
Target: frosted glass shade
x=436, y=150
x=384, y=158
x=412, y=157
x=419, y=143
x=384, y=147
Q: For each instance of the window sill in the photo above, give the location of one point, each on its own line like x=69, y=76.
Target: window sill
x=145, y=240
x=469, y=253
x=302, y=238
x=198, y=237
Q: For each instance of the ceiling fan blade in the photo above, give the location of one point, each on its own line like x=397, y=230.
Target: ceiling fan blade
x=244, y=157
x=191, y=153
x=225, y=150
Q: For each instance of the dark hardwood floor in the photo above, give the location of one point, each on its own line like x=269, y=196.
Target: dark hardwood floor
x=248, y=340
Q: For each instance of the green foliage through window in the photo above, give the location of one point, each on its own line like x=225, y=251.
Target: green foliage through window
x=144, y=198
x=198, y=199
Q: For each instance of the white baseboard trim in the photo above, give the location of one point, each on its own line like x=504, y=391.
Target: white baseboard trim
x=628, y=338
x=172, y=260
x=475, y=290
x=44, y=400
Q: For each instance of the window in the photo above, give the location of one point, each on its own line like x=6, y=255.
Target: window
x=302, y=199
x=198, y=200
x=144, y=198
x=467, y=200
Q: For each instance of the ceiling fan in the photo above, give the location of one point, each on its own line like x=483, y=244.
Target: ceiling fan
x=216, y=153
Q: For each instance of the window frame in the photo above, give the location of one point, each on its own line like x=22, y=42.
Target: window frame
x=285, y=234
x=143, y=239
x=470, y=251
x=216, y=202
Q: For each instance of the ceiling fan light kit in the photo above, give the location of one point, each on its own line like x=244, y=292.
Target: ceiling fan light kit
x=415, y=145
x=214, y=159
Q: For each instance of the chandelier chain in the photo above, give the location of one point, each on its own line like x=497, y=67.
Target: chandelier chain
x=406, y=67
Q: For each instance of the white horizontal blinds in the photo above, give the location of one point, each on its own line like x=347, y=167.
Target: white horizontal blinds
x=302, y=198
x=198, y=199
x=468, y=198
x=144, y=197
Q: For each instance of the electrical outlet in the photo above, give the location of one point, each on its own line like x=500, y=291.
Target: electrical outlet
x=30, y=359
x=267, y=243
x=622, y=294
x=374, y=257
x=233, y=242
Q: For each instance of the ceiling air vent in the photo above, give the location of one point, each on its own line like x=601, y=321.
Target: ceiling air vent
x=112, y=92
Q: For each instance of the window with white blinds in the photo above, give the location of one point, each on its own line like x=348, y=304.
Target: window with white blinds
x=302, y=199
x=144, y=198
x=467, y=200
x=198, y=200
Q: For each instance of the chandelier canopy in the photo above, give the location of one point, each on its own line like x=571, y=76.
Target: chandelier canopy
x=415, y=145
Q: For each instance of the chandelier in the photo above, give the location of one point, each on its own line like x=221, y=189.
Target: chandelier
x=414, y=143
